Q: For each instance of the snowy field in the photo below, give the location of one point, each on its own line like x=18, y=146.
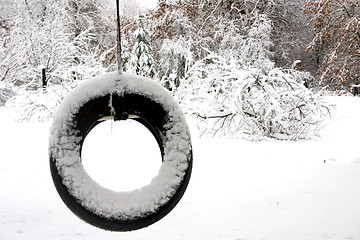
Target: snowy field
x=239, y=190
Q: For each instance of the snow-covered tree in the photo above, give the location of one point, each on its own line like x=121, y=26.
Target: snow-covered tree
x=175, y=58
x=128, y=26
x=172, y=38
x=5, y=28
x=229, y=28
x=291, y=34
x=337, y=26
x=37, y=40
x=143, y=61
x=256, y=47
x=65, y=38
x=217, y=57
x=86, y=26
x=59, y=36
x=215, y=54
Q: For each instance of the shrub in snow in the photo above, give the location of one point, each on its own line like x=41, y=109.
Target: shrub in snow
x=258, y=103
x=39, y=105
x=277, y=106
x=6, y=93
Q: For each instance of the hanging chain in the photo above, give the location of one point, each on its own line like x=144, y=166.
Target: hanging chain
x=118, y=47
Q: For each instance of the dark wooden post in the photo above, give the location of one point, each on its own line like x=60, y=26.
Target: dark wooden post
x=43, y=77
x=355, y=89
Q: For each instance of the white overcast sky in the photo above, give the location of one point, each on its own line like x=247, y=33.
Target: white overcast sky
x=147, y=3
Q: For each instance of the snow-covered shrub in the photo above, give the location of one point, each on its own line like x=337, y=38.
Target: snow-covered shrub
x=39, y=105
x=6, y=93
x=251, y=102
x=275, y=105
x=203, y=90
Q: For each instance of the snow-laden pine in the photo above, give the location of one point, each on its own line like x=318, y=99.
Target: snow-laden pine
x=142, y=60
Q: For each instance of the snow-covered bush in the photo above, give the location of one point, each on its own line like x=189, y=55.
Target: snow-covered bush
x=251, y=102
x=276, y=105
x=203, y=90
x=39, y=105
x=6, y=93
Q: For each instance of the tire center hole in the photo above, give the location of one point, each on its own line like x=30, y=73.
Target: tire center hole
x=121, y=155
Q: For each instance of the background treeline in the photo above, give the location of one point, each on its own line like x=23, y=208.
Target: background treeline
x=212, y=54
x=73, y=39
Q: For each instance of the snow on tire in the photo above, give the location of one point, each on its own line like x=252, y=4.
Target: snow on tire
x=120, y=96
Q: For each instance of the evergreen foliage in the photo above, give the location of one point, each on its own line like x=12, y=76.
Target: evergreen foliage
x=143, y=61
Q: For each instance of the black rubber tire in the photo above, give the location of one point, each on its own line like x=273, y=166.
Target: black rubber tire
x=149, y=113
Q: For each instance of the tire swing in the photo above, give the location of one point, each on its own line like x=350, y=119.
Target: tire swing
x=119, y=96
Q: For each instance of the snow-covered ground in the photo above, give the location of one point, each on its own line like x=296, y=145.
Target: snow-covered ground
x=239, y=189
